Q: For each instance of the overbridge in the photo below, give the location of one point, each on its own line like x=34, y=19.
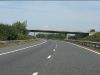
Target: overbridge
x=56, y=31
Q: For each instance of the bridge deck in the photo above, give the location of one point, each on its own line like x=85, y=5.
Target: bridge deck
x=51, y=31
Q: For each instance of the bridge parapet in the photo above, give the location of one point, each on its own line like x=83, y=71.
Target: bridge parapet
x=63, y=32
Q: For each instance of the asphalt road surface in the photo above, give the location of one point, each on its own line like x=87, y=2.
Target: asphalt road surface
x=50, y=57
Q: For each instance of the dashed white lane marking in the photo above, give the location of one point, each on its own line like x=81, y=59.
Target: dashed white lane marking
x=49, y=57
x=22, y=49
x=35, y=73
x=54, y=50
x=85, y=48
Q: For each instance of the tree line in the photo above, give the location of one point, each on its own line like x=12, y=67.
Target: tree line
x=52, y=36
x=15, y=31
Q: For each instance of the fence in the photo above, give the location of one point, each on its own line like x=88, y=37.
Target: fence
x=86, y=43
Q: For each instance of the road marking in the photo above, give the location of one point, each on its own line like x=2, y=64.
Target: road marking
x=54, y=50
x=22, y=48
x=49, y=57
x=35, y=73
x=85, y=48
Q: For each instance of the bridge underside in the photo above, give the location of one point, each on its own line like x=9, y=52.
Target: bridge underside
x=50, y=31
x=63, y=32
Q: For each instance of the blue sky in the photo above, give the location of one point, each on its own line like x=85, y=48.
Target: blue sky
x=53, y=15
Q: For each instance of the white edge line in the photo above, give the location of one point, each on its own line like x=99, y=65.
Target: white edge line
x=85, y=48
x=35, y=73
x=22, y=48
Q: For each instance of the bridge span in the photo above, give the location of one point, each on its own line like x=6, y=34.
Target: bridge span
x=56, y=31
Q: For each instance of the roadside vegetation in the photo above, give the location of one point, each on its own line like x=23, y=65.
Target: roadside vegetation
x=92, y=42
x=95, y=37
x=16, y=32
x=58, y=36
x=17, y=42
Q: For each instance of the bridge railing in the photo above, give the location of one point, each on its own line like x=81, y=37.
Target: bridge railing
x=86, y=43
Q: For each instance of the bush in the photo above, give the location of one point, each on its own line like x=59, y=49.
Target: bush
x=95, y=37
x=15, y=31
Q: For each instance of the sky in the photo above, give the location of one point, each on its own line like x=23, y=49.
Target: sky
x=53, y=15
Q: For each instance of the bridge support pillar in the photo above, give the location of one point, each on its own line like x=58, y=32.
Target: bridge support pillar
x=66, y=36
x=35, y=34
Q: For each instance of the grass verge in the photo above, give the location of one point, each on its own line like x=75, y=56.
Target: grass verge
x=17, y=42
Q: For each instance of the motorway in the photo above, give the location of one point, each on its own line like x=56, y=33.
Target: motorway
x=48, y=57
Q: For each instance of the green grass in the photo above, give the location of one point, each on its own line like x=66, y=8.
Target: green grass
x=95, y=37
x=2, y=45
x=18, y=42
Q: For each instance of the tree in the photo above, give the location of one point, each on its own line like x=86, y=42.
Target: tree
x=12, y=32
x=20, y=29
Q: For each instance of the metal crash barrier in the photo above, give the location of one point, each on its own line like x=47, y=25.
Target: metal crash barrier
x=86, y=43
